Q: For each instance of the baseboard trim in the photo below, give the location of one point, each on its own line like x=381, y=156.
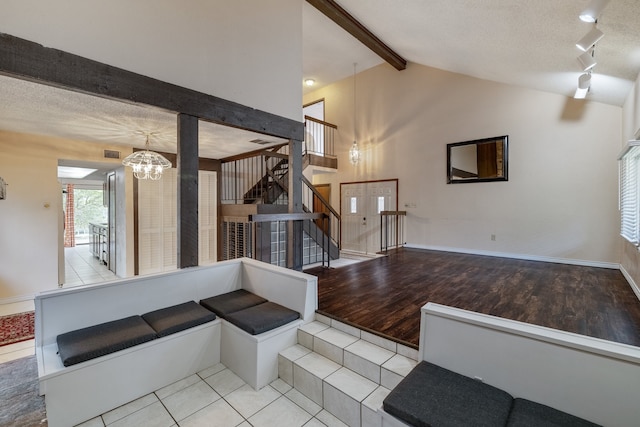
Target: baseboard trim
x=599, y=264
x=632, y=283
x=19, y=298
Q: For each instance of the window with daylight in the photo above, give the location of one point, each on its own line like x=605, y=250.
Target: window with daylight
x=354, y=205
x=629, y=200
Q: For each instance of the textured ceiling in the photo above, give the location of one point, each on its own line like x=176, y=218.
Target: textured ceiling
x=45, y=110
x=525, y=43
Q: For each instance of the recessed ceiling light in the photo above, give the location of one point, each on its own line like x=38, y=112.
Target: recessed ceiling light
x=76, y=173
x=591, y=13
x=309, y=82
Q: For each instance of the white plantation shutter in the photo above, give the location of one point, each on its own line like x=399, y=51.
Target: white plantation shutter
x=157, y=222
x=207, y=218
x=157, y=204
x=629, y=208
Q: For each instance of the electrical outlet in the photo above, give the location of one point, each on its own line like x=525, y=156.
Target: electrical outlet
x=493, y=237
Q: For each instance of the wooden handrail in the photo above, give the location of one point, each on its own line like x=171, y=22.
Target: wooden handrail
x=287, y=217
x=254, y=153
x=319, y=196
x=312, y=119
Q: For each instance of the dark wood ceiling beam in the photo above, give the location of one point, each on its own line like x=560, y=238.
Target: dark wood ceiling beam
x=350, y=24
x=31, y=61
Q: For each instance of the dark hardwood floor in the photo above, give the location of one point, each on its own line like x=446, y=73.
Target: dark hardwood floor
x=384, y=295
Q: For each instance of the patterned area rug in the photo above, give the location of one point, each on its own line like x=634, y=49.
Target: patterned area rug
x=16, y=327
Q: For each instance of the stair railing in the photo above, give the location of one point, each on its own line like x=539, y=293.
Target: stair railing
x=247, y=178
x=392, y=229
x=319, y=137
x=309, y=194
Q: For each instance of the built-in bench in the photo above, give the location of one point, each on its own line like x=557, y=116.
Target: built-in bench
x=105, y=338
x=484, y=370
x=433, y=396
x=111, y=354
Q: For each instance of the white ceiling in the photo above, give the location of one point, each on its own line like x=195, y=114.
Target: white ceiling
x=529, y=43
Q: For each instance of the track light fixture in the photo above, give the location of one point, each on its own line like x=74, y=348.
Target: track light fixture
x=590, y=39
x=587, y=45
x=591, y=13
x=584, y=83
x=587, y=61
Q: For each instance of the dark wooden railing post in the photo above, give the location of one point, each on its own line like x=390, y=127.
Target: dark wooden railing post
x=187, y=191
x=296, y=228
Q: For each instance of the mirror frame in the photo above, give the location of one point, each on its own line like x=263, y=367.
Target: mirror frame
x=504, y=139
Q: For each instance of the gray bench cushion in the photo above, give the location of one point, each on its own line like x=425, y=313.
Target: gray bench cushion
x=433, y=396
x=170, y=320
x=98, y=340
x=525, y=413
x=262, y=318
x=233, y=301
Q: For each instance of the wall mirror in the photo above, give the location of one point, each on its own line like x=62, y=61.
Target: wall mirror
x=480, y=160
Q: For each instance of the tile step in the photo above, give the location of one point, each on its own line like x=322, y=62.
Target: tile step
x=346, y=371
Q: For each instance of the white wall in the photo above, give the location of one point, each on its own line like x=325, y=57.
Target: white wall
x=28, y=228
x=631, y=123
x=561, y=198
x=245, y=51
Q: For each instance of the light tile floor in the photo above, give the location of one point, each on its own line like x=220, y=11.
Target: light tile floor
x=82, y=268
x=216, y=397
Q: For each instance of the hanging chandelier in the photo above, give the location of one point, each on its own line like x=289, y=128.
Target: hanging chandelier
x=354, y=152
x=147, y=164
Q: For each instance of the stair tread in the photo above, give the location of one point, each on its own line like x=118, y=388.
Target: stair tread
x=317, y=365
x=364, y=377
x=351, y=383
x=371, y=352
x=295, y=352
x=336, y=337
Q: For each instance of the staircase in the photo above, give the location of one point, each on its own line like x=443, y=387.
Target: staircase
x=273, y=184
x=344, y=370
x=257, y=183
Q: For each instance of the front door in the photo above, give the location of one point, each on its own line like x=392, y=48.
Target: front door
x=361, y=205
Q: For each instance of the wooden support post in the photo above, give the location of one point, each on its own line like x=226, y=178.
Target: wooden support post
x=296, y=228
x=187, y=218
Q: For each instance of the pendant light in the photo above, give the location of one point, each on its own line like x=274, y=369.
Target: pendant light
x=354, y=152
x=147, y=164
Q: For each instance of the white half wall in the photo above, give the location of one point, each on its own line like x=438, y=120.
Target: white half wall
x=245, y=51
